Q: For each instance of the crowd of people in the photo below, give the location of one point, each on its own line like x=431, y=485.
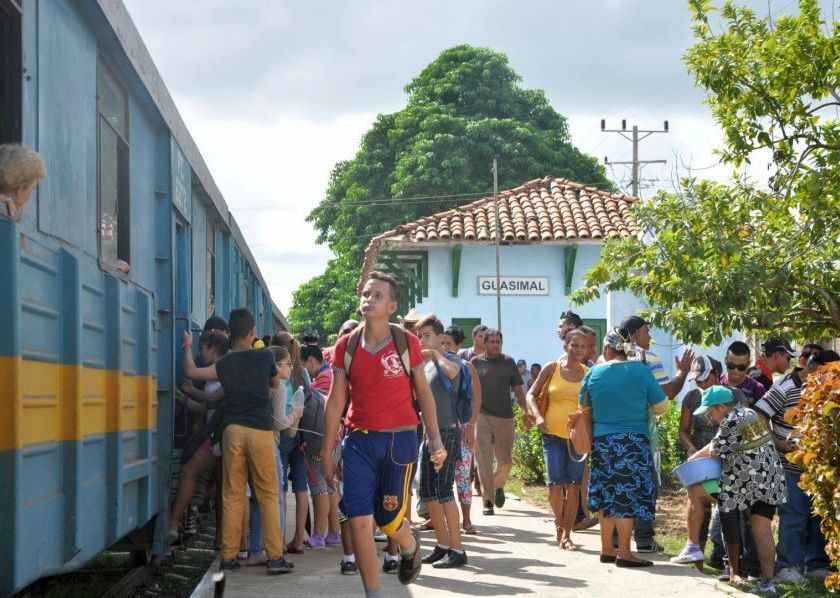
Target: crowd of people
x=396, y=401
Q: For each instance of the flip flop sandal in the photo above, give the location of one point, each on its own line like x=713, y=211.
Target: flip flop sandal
x=425, y=526
x=292, y=550
x=470, y=530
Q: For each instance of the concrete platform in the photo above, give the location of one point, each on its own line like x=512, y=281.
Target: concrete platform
x=514, y=555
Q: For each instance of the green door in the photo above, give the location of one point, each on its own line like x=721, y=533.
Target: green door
x=467, y=325
x=600, y=327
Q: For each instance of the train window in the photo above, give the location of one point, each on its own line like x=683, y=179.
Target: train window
x=211, y=269
x=114, y=207
x=11, y=72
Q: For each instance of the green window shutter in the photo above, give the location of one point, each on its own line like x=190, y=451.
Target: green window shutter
x=467, y=325
x=600, y=327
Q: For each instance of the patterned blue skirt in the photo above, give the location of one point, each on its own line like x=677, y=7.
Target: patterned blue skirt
x=621, y=477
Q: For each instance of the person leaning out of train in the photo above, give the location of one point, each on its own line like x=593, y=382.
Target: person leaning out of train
x=20, y=170
x=248, y=437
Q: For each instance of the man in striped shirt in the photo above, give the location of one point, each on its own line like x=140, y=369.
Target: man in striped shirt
x=801, y=543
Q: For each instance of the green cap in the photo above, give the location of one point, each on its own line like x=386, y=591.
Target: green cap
x=714, y=395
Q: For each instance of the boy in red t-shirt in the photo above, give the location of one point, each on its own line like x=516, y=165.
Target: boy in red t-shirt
x=379, y=451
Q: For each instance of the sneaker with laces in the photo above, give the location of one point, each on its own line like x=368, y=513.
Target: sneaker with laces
x=332, y=539
x=410, y=565
x=435, y=555
x=690, y=554
x=789, y=575
x=724, y=574
x=488, y=508
x=654, y=547
x=453, y=559
x=390, y=566
x=315, y=541
x=230, y=566
x=349, y=568
x=765, y=588
x=278, y=566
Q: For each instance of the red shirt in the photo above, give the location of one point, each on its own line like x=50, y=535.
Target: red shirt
x=327, y=352
x=380, y=390
x=323, y=380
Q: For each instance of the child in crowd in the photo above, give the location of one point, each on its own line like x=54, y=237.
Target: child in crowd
x=294, y=460
x=464, y=471
x=211, y=346
x=248, y=439
x=443, y=373
x=379, y=450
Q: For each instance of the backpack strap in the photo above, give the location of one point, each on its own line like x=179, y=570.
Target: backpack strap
x=350, y=349
x=401, y=341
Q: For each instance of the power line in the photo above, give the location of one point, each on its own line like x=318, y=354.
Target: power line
x=635, y=163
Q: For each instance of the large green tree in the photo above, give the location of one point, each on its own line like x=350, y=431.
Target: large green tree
x=764, y=255
x=463, y=110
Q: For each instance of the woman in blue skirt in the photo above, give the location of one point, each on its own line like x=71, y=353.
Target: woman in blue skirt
x=622, y=393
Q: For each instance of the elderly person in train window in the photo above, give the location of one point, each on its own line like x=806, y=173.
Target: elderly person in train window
x=20, y=170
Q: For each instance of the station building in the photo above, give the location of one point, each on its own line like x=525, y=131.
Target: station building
x=551, y=234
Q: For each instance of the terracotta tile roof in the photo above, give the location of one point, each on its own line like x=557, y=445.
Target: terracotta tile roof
x=542, y=210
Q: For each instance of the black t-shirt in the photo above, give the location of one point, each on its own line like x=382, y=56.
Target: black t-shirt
x=498, y=377
x=245, y=377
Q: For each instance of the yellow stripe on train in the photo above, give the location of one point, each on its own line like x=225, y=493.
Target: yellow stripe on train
x=49, y=402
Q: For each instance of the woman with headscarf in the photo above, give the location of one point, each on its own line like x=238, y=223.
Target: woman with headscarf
x=621, y=394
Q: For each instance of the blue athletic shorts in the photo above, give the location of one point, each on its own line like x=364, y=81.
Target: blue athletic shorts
x=378, y=468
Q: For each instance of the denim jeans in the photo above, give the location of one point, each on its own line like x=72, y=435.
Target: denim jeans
x=255, y=521
x=800, y=540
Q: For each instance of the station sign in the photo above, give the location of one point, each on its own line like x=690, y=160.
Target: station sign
x=513, y=285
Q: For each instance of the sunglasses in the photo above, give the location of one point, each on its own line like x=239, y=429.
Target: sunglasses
x=739, y=367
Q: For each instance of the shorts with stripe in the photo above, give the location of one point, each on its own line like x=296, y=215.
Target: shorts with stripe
x=378, y=468
x=437, y=485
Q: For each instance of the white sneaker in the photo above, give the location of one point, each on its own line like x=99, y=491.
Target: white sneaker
x=820, y=574
x=689, y=554
x=789, y=575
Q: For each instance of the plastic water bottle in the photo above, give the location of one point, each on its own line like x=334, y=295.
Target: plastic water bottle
x=298, y=398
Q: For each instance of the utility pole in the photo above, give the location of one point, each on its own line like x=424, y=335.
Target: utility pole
x=635, y=163
x=498, y=234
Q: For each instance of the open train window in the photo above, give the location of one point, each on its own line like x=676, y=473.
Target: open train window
x=11, y=71
x=114, y=202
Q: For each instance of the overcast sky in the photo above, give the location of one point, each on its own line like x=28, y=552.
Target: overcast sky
x=276, y=92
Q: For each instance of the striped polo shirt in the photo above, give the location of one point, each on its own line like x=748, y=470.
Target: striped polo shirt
x=782, y=397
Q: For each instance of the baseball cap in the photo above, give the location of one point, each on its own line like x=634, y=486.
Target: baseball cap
x=215, y=323
x=702, y=366
x=633, y=324
x=714, y=395
x=774, y=345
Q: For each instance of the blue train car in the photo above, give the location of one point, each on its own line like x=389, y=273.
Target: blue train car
x=125, y=243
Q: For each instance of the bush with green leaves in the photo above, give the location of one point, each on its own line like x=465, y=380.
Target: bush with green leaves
x=528, y=463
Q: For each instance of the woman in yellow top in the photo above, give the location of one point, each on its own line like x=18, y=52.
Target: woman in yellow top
x=564, y=468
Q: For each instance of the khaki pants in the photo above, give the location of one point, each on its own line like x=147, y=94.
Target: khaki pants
x=493, y=437
x=246, y=448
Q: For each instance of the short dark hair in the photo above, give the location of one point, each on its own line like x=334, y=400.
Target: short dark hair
x=572, y=318
x=492, y=332
x=429, y=320
x=739, y=348
x=307, y=351
x=241, y=322
x=456, y=333
x=536, y=365
x=390, y=279
x=213, y=339
x=216, y=323
x=810, y=349
x=479, y=328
